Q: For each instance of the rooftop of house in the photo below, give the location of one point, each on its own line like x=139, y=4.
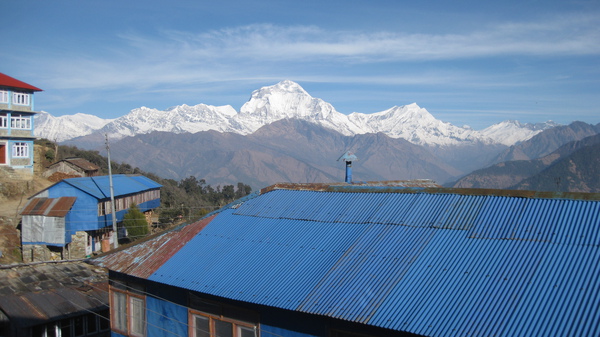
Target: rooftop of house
x=10, y=82
x=426, y=260
x=99, y=186
x=37, y=293
x=79, y=162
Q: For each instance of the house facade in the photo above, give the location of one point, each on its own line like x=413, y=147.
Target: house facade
x=16, y=127
x=357, y=260
x=73, y=218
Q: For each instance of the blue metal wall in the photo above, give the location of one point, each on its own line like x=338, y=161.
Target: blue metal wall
x=83, y=214
x=165, y=318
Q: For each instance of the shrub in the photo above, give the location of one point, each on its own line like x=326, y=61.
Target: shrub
x=135, y=223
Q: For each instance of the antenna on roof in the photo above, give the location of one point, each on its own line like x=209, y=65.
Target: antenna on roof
x=348, y=157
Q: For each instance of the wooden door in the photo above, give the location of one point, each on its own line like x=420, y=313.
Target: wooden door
x=2, y=153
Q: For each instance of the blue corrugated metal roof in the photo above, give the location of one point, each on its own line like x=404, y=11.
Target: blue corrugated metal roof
x=123, y=184
x=429, y=263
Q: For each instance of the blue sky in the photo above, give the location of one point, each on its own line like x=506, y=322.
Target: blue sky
x=467, y=62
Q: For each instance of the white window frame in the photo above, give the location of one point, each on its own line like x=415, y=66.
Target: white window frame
x=20, y=150
x=4, y=121
x=4, y=96
x=20, y=122
x=21, y=98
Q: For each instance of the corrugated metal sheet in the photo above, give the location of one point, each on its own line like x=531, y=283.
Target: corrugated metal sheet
x=99, y=186
x=36, y=206
x=141, y=260
x=431, y=263
x=53, y=207
x=123, y=184
x=61, y=207
x=36, y=294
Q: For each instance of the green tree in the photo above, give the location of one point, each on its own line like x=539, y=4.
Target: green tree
x=135, y=222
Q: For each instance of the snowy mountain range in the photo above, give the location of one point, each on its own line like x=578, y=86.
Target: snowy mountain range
x=286, y=100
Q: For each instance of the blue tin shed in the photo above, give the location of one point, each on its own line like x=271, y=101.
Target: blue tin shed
x=53, y=216
x=320, y=260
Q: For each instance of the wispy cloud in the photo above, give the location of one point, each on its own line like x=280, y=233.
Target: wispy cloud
x=573, y=35
x=238, y=52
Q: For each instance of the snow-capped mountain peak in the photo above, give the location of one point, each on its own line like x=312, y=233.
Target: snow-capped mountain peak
x=510, y=132
x=285, y=99
x=66, y=127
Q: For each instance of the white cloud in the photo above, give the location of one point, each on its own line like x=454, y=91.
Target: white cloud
x=572, y=35
x=177, y=56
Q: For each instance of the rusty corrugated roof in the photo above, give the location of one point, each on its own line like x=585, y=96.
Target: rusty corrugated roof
x=54, y=207
x=33, y=294
x=141, y=259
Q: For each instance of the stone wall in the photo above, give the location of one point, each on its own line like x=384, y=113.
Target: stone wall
x=39, y=253
x=77, y=247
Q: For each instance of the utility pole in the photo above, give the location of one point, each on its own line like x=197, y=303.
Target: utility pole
x=112, y=197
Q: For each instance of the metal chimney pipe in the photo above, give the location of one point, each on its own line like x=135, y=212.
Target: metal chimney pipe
x=348, y=157
x=349, y=172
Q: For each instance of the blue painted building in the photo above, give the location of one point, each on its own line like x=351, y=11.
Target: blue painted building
x=359, y=260
x=16, y=127
x=55, y=216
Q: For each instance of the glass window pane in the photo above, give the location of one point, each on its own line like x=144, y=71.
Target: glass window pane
x=138, y=317
x=245, y=331
x=119, y=311
x=223, y=329
x=201, y=326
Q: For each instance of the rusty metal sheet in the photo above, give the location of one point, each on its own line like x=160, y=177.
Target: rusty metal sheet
x=141, y=259
x=54, y=207
x=61, y=207
x=34, y=294
x=35, y=206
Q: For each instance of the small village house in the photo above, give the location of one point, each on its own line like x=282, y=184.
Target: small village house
x=73, y=167
x=73, y=218
x=357, y=260
x=16, y=127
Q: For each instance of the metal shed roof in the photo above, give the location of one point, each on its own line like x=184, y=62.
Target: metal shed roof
x=35, y=294
x=54, y=207
x=435, y=264
x=99, y=186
